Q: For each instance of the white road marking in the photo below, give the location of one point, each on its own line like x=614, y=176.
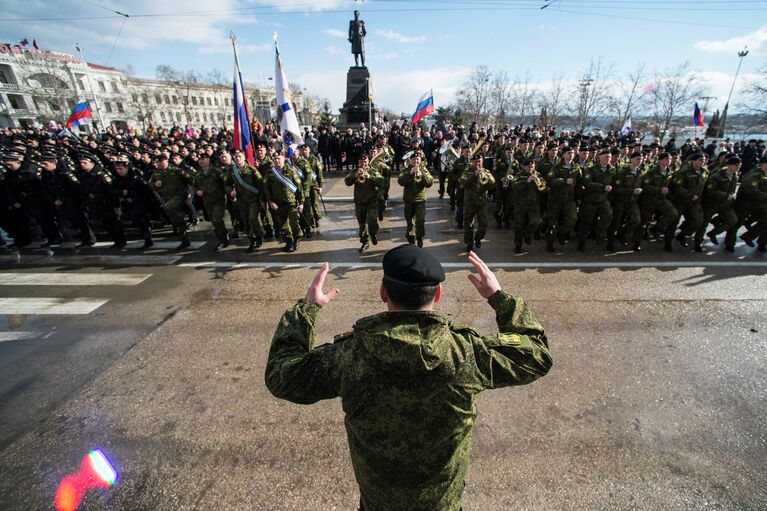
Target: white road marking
x=49, y=305
x=90, y=260
x=17, y=336
x=72, y=279
x=504, y=265
x=158, y=245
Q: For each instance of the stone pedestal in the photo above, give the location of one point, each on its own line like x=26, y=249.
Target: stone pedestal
x=356, y=108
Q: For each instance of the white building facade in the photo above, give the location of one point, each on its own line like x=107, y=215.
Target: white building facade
x=37, y=87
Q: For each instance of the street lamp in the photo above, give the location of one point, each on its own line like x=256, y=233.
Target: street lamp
x=584, y=85
x=741, y=55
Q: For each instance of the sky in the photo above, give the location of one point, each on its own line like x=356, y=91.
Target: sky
x=411, y=46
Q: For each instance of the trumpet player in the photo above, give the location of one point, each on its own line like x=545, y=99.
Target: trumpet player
x=476, y=182
x=525, y=187
x=415, y=180
x=503, y=171
x=366, y=181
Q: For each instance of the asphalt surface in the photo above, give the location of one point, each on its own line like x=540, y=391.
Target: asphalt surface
x=656, y=399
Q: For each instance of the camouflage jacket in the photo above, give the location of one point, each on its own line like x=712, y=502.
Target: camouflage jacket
x=408, y=382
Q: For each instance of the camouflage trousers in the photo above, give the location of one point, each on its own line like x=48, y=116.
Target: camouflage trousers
x=561, y=216
x=726, y=219
x=215, y=210
x=415, y=218
x=662, y=209
x=527, y=220
x=470, y=212
x=251, y=222
x=286, y=219
x=367, y=219
x=602, y=212
x=626, y=219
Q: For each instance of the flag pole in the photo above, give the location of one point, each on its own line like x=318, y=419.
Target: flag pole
x=90, y=86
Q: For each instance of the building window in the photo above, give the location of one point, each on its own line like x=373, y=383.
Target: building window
x=194, y=101
x=108, y=106
x=175, y=100
x=162, y=116
x=204, y=117
x=210, y=101
x=102, y=87
x=3, y=78
x=197, y=117
x=70, y=103
x=120, y=108
x=135, y=98
x=167, y=99
x=115, y=86
x=178, y=116
x=14, y=101
x=215, y=101
x=157, y=99
x=220, y=117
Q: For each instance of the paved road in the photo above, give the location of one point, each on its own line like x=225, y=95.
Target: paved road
x=656, y=399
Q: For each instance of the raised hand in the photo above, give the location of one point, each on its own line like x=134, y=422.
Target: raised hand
x=487, y=284
x=315, y=293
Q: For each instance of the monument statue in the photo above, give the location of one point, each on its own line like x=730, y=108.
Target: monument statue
x=357, y=38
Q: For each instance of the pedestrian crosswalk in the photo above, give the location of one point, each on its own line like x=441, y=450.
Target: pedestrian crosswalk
x=26, y=300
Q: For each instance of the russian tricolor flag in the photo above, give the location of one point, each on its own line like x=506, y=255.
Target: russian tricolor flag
x=80, y=114
x=697, y=116
x=241, y=138
x=424, y=108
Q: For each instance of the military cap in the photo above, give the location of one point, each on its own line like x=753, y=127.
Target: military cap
x=476, y=156
x=674, y=152
x=636, y=154
x=161, y=156
x=566, y=149
x=528, y=161
x=411, y=266
x=604, y=150
x=49, y=156
x=733, y=160
x=416, y=153
x=615, y=151
x=12, y=156
x=84, y=155
x=664, y=155
x=696, y=156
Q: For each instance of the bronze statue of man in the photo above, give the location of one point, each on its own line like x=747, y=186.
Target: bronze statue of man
x=357, y=38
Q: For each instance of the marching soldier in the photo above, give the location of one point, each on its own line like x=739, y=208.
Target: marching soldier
x=719, y=203
x=99, y=202
x=654, y=201
x=264, y=164
x=225, y=167
x=595, y=205
x=284, y=195
x=476, y=182
x=623, y=200
x=525, y=189
x=171, y=183
x=561, y=211
x=309, y=170
x=134, y=198
x=414, y=181
x=246, y=188
x=686, y=191
x=62, y=191
x=751, y=202
x=503, y=169
x=210, y=186
x=366, y=182
x=454, y=186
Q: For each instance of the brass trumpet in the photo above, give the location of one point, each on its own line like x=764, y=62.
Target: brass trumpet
x=384, y=155
x=539, y=182
x=418, y=176
x=362, y=176
x=483, y=176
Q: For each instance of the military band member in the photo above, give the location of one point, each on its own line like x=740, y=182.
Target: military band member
x=595, y=210
x=525, y=188
x=476, y=182
x=366, y=182
x=503, y=169
x=415, y=179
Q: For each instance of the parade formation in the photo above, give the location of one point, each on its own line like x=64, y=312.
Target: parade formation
x=598, y=191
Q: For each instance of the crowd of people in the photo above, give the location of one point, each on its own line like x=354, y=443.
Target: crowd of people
x=540, y=182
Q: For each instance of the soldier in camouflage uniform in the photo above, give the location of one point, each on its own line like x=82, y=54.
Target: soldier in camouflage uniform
x=100, y=204
x=719, y=202
x=561, y=211
x=264, y=164
x=596, y=184
x=246, y=187
x=654, y=202
x=309, y=170
x=503, y=167
x=366, y=182
x=409, y=416
x=210, y=186
x=62, y=191
x=284, y=195
x=525, y=191
x=623, y=200
x=686, y=191
x=171, y=183
x=475, y=182
x=751, y=202
x=415, y=180
x=454, y=188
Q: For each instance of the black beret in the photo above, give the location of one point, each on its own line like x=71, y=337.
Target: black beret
x=696, y=156
x=528, y=161
x=734, y=160
x=663, y=155
x=566, y=149
x=476, y=156
x=636, y=154
x=411, y=266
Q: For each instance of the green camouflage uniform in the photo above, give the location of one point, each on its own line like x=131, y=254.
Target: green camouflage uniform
x=503, y=203
x=626, y=214
x=408, y=383
x=248, y=202
x=718, y=200
x=286, y=215
x=366, y=201
x=475, y=204
x=304, y=168
x=211, y=183
x=686, y=184
x=652, y=201
x=561, y=211
x=174, y=194
x=595, y=203
x=527, y=212
x=414, y=196
x=264, y=167
x=752, y=202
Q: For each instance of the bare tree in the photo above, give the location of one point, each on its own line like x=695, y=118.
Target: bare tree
x=500, y=96
x=629, y=94
x=223, y=91
x=474, y=94
x=552, y=100
x=756, y=90
x=523, y=98
x=593, y=92
x=674, y=88
x=182, y=82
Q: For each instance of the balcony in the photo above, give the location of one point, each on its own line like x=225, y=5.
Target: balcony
x=18, y=112
x=8, y=86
